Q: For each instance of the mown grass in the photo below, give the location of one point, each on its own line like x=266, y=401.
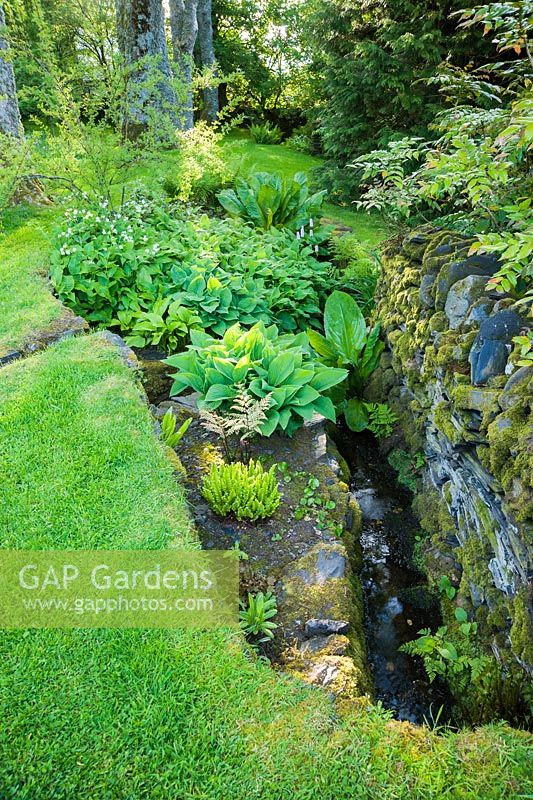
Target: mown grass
x=26, y=304
x=243, y=153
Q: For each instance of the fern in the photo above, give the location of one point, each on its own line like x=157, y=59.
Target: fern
x=244, y=421
x=245, y=490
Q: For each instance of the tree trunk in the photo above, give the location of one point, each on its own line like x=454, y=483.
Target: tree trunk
x=207, y=55
x=141, y=37
x=9, y=108
x=184, y=29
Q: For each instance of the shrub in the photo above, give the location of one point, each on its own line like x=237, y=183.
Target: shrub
x=202, y=171
x=245, y=490
x=267, y=200
x=359, y=267
x=266, y=133
x=265, y=364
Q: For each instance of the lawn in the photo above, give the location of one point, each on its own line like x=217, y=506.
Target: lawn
x=250, y=157
x=26, y=305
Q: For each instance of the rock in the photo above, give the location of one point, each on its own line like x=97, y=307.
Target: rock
x=515, y=386
x=155, y=377
x=457, y=270
x=474, y=399
x=327, y=645
x=329, y=564
x=501, y=326
x=125, y=352
x=479, y=312
x=487, y=359
x=489, y=353
x=461, y=296
x=9, y=356
x=426, y=292
x=325, y=627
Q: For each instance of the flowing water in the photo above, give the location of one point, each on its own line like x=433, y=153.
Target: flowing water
x=397, y=604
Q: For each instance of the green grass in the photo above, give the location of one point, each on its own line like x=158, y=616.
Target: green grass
x=26, y=305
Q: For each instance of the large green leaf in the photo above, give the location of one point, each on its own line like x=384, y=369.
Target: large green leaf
x=281, y=367
x=327, y=377
x=321, y=346
x=356, y=415
x=344, y=325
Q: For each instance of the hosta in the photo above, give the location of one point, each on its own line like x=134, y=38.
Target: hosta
x=265, y=364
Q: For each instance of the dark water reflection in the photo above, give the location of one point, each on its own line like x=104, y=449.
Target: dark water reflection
x=397, y=604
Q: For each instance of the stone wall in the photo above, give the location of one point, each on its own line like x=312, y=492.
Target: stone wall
x=449, y=372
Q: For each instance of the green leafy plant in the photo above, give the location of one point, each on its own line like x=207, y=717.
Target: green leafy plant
x=255, y=618
x=265, y=363
x=358, y=268
x=446, y=587
x=347, y=343
x=381, y=419
x=170, y=436
x=167, y=325
x=267, y=200
x=245, y=490
x=312, y=504
x=266, y=133
x=525, y=344
x=115, y=267
x=244, y=421
x=408, y=466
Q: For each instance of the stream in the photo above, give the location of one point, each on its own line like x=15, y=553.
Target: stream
x=397, y=604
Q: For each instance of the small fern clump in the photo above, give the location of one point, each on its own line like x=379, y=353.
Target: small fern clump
x=245, y=490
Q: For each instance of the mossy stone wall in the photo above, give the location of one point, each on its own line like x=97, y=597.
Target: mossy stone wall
x=450, y=373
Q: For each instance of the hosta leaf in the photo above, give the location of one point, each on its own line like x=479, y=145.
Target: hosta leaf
x=281, y=367
x=326, y=377
x=324, y=406
x=344, y=325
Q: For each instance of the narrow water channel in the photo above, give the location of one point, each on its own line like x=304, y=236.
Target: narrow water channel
x=397, y=604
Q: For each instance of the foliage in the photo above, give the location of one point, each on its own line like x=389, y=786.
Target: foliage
x=142, y=267
x=201, y=170
x=476, y=174
x=370, y=62
x=244, y=420
x=266, y=364
x=170, y=436
x=266, y=133
x=359, y=267
x=525, y=344
x=408, y=466
x=347, y=343
x=380, y=419
x=256, y=618
x=245, y=490
x=167, y=325
x=267, y=200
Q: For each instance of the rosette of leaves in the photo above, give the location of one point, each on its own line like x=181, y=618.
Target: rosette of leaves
x=264, y=363
x=267, y=200
x=348, y=343
x=246, y=490
x=220, y=300
x=167, y=325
